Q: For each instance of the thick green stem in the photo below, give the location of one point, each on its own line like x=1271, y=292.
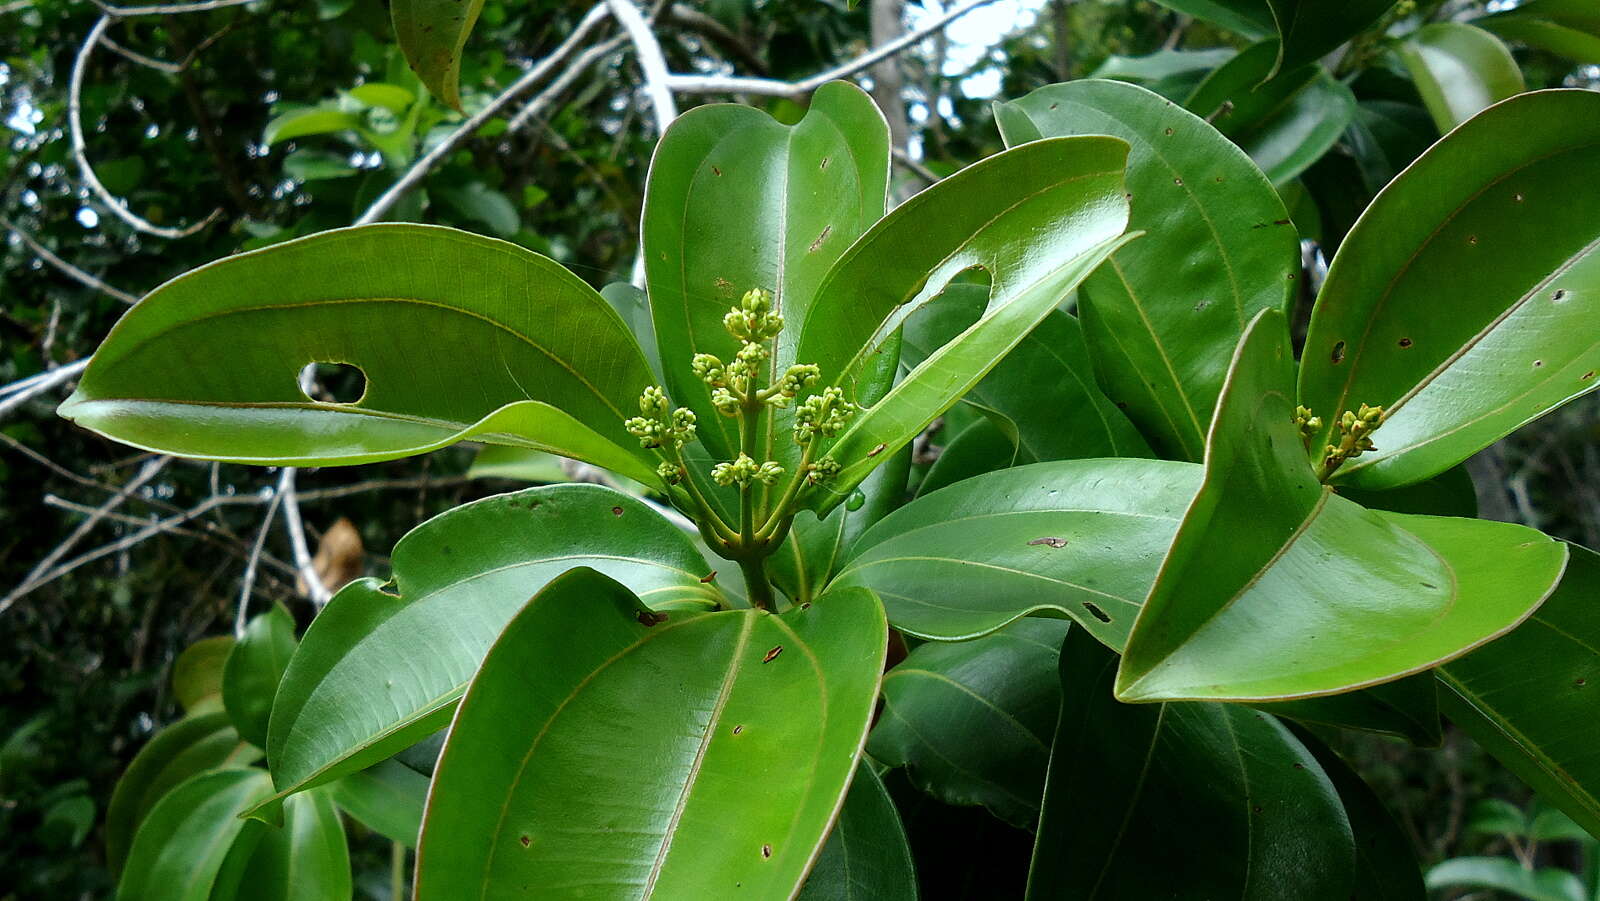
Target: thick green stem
x=755, y=581
x=397, y=871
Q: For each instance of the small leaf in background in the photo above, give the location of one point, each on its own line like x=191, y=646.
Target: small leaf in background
x=432, y=34
x=627, y=756
x=458, y=579
x=972, y=721
x=867, y=857
x=1570, y=28
x=1161, y=319
x=387, y=798
x=1506, y=875
x=252, y=672
x=316, y=120
x=480, y=203
x=197, y=673
x=391, y=97
x=1500, y=233
x=1310, y=29
x=316, y=165
x=1181, y=800
x=1251, y=18
x=1459, y=71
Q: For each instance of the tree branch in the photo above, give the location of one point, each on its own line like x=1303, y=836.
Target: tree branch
x=66, y=268
x=651, y=61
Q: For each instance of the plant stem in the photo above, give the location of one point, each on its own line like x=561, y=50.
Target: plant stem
x=755, y=581
x=397, y=871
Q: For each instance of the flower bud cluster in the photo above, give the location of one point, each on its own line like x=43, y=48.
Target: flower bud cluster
x=1353, y=433
x=660, y=425
x=743, y=470
x=824, y=413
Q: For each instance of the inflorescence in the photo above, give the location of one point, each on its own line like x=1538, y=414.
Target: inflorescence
x=1352, y=431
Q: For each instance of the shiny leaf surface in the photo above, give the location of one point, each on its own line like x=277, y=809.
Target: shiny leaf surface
x=1459, y=71
x=1310, y=29
x=972, y=721
x=1162, y=318
x=305, y=859
x=1567, y=27
x=376, y=298
x=382, y=666
x=867, y=857
x=251, y=674
x=622, y=763
x=387, y=799
x=1276, y=588
x=1500, y=231
x=1386, y=867
x=1507, y=875
x=182, y=844
x=197, y=673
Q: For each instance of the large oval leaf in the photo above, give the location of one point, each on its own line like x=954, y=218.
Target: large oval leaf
x=602, y=751
x=972, y=721
x=1386, y=866
x=867, y=857
x=431, y=34
x=1532, y=697
x=1036, y=219
x=1276, y=588
x=383, y=666
x=1181, y=801
x=1500, y=233
x=1162, y=318
x=184, y=749
x=1459, y=70
x=1079, y=539
x=455, y=335
x=251, y=674
x=305, y=859
x=181, y=847
x=737, y=200
x=387, y=799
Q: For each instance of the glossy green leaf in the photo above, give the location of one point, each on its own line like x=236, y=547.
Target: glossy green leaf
x=1459, y=70
x=1251, y=18
x=816, y=548
x=1568, y=27
x=1384, y=138
x=305, y=859
x=1036, y=219
x=1043, y=393
x=431, y=34
x=186, y=748
x=1507, y=875
x=1451, y=493
x=1310, y=29
x=1162, y=64
x=1407, y=708
x=383, y=665
x=623, y=762
x=183, y=842
x=1287, y=123
x=1530, y=699
x=1386, y=866
x=737, y=200
x=1161, y=319
x=1500, y=232
x=252, y=672
x=1181, y=801
x=197, y=673
x=972, y=721
x=387, y=798
x=1276, y=588
x=481, y=308
x=1080, y=539
x=391, y=97
x=867, y=857
x=516, y=463
x=979, y=448
x=315, y=120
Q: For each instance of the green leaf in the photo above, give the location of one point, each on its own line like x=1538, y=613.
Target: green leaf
x=1043, y=392
x=736, y=200
x=1494, y=816
x=1529, y=698
x=197, y=673
x=1459, y=70
x=481, y=308
x=387, y=798
x=1385, y=137
x=867, y=857
x=1287, y=123
x=583, y=775
x=251, y=675
x=458, y=579
x=1181, y=801
x=1555, y=826
x=181, y=846
x=306, y=859
x=391, y=97
x=1276, y=588
x=316, y=165
x=186, y=748
x=972, y=721
x=979, y=448
x=1567, y=27
x=1507, y=875
x=1386, y=866
x=314, y=120
x=1251, y=18
x=1500, y=232
x=816, y=548
x=1036, y=219
x=480, y=203
x=1079, y=539
x=431, y=34
x=1311, y=29
x=1162, y=319
x=516, y=463
x=1407, y=708
x=1162, y=64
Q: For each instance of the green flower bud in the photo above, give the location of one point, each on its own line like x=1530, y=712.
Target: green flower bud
x=822, y=414
x=671, y=473
x=822, y=471
x=738, y=472
x=726, y=402
x=709, y=369
x=770, y=472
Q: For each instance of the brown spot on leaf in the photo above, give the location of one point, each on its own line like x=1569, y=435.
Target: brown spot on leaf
x=715, y=171
x=1280, y=222
x=875, y=451
x=1580, y=682
x=1517, y=198
x=1169, y=132
x=1538, y=364
x=526, y=840
x=706, y=579
x=766, y=851
x=772, y=654
x=1586, y=376
x=1338, y=353
x=616, y=511
x=1405, y=342
x=651, y=618
x=1052, y=542
x=737, y=729
x=825, y=161
x=1472, y=239
x=1178, y=181
x=817, y=244
x=723, y=283
x=1096, y=612
x=1559, y=296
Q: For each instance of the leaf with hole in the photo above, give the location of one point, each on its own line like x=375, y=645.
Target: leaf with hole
x=1162, y=316
x=458, y=579
x=1498, y=231
x=441, y=294
x=622, y=763
x=1276, y=588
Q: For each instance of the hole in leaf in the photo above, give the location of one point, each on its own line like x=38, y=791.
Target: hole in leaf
x=1537, y=363
x=335, y=383
x=526, y=840
x=1559, y=296
x=766, y=850
x=1405, y=342
x=1338, y=353
x=1096, y=612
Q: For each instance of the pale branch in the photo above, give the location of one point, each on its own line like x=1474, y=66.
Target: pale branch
x=20, y=392
x=247, y=584
x=14, y=7
x=212, y=533
x=167, y=9
x=314, y=587
x=556, y=88
x=733, y=84
x=915, y=166
x=79, y=151
x=73, y=272
x=652, y=63
x=128, y=53
x=420, y=169
x=686, y=16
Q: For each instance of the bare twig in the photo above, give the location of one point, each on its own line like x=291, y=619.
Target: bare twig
x=556, y=88
x=915, y=166
x=17, y=6
x=248, y=583
x=686, y=16
x=315, y=589
x=444, y=148
x=651, y=61
x=211, y=531
x=30, y=387
x=66, y=268
x=721, y=84
x=168, y=9
x=79, y=149
x=135, y=56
